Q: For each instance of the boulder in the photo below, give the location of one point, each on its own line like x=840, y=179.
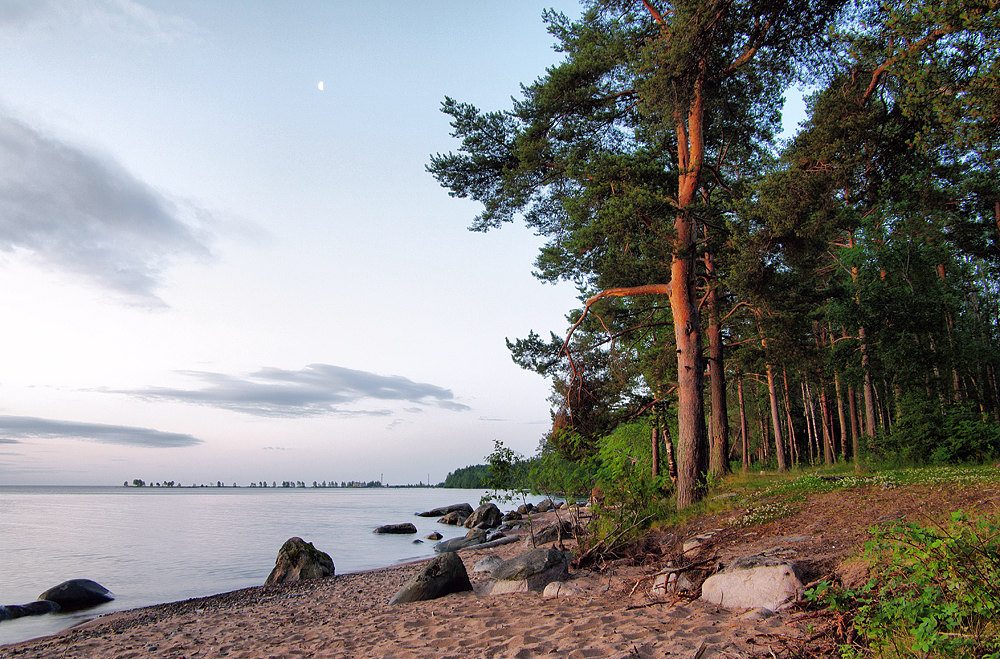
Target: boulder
x=670, y=582
x=486, y=516
x=455, y=518
x=434, y=536
x=511, y=516
x=77, y=594
x=456, y=544
x=752, y=583
x=532, y=570
x=495, y=535
x=551, y=533
x=298, y=560
x=444, y=510
x=487, y=564
x=12, y=611
x=397, y=528
x=442, y=576
x=545, y=506
x=557, y=589
x=526, y=508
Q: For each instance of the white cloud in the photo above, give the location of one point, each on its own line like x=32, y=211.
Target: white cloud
x=80, y=212
x=25, y=427
x=317, y=389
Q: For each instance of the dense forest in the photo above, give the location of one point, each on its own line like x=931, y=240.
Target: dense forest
x=748, y=301
x=475, y=477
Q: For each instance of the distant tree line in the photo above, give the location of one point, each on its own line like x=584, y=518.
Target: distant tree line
x=474, y=477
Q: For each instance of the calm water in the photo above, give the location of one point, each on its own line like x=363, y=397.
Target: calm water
x=156, y=545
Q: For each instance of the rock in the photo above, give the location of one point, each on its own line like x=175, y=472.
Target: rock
x=442, y=576
x=551, y=533
x=444, y=510
x=495, y=535
x=298, y=560
x=545, y=506
x=12, y=611
x=486, y=516
x=526, y=508
x=669, y=583
x=755, y=615
x=745, y=585
x=694, y=543
x=477, y=533
x=487, y=564
x=532, y=570
x=77, y=594
x=456, y=544
x=434, y=536
x=397, y=528
x=511, y=516
x=418, y=541
x=558, y=589
x=455, y=518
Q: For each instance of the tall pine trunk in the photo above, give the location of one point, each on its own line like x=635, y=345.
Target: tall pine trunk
x=719, y=431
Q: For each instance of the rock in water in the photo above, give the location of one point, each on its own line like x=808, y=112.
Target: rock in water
x=442, y=576
x=454, y=518
x=444, y=510
x=397, y=528
x=77, y=594
x=486, y=516
x=298, y=560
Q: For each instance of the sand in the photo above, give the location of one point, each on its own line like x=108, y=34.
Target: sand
x=614, y=614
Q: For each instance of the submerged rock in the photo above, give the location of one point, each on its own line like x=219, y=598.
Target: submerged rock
x=77, y=594
x=397, y=528
x=298, y=560
x=444, y=510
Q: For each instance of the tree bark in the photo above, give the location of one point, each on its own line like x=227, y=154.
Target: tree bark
x=792, y=440
x=719, y=433
x=779, y=448
x=744, y=431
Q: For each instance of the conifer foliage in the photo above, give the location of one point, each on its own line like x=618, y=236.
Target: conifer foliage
x=842, y=283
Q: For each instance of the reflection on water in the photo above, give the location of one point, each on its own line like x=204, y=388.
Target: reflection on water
x=154, y=545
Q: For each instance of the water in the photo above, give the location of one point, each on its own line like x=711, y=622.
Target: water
x=154, y=545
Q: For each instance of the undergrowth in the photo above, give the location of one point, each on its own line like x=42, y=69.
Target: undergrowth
x=933, y=591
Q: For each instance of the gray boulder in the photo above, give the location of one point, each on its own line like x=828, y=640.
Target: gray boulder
x=753, y=582
x=298, y=560
x=77, y=594
x=456, y=544
x=486, y=516
x=512, y=516
x=487, y=564
x=397, y=528
x=455, y=518
x=525, y=508
x=444, y=510
x=12, y=611
x=442, y=576
x=551, y=533
x=532, y=570
x=545, y=506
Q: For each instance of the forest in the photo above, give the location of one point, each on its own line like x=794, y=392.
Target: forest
x=750, y=301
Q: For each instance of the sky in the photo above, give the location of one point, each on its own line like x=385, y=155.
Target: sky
x=221, y=257
x=213, y=267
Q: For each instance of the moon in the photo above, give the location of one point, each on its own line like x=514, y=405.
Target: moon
x=319, y=86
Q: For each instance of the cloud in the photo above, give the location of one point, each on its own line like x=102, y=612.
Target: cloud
x=30, y=427
x=8, y=441
x=108, y=19
x=317, y=389
x=81, y=212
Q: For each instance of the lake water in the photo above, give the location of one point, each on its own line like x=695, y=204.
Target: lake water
x=154, y=545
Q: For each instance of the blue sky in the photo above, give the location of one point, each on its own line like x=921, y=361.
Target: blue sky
x=213, y=269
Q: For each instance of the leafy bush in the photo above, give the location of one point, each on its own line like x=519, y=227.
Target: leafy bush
x=927, y=434
x=933, y=591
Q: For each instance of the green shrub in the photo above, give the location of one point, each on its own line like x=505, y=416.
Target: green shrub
x=925, y=433
x=932, y=592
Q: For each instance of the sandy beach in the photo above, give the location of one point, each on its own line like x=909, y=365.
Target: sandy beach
x=613, y=614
